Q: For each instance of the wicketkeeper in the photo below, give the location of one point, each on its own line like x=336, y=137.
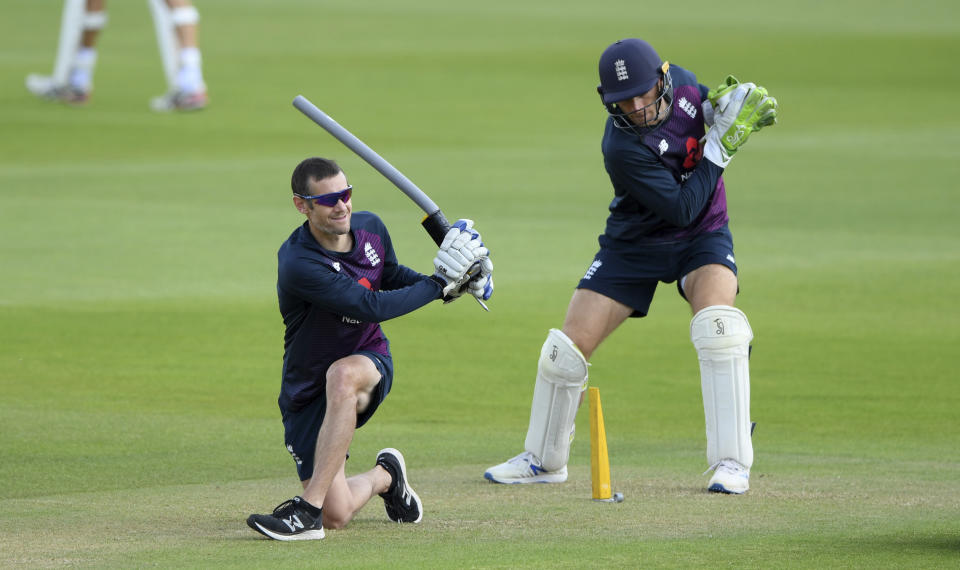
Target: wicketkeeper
x=666, y=144
x=338, y=278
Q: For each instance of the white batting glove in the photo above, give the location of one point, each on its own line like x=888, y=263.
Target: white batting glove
x=482, y=287
x=457, y=253
x=463, y=262
x=462, y=225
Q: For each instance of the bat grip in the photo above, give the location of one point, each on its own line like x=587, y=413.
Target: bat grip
x=436, y=225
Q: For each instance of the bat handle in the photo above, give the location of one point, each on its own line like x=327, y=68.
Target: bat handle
x=436, y=225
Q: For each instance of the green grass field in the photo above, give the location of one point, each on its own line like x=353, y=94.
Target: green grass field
x=140, y=344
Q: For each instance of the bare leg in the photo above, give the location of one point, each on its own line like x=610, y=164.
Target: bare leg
x=350, y=382
x=177, y=26
x=90, y=35
x=347, y=496
x=710, y=285
x=591, y=318
x=186, y=33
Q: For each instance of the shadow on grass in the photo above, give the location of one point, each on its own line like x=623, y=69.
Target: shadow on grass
x=916, y=543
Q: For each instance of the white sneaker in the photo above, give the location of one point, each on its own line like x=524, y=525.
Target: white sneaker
x=44, y=87
x=179, y=101
x=730, y=477
x=40, y=85
x=524, y=468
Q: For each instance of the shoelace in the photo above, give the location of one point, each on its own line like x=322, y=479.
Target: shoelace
x=525, y=457
x=725, y=464
x=283, y=505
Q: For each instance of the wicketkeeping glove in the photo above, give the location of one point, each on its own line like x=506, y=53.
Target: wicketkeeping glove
x=720, y=96
x=767, y=112
x=739, y=110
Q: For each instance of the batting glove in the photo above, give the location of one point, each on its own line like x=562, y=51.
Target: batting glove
x=460, y=252
x=482, y=287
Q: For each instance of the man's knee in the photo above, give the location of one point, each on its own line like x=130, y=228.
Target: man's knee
x=590, y=318
x=710, y=285
x=584, y=340
x=336, y=521
x=350, y=378
x=343, y=380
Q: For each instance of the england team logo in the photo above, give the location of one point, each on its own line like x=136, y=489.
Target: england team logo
x=688, y=107
x=371, y=253
x=620, y=67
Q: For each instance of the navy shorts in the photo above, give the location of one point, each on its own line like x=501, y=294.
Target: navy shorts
x=302, y=427
x=630, y=275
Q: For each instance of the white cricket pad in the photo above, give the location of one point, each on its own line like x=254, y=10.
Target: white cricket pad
x=561, y=379
x=722, y=335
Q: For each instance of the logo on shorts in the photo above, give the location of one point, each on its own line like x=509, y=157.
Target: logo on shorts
x=336, y=266
x=593, y=269
x=730, y=258
x=294, y=455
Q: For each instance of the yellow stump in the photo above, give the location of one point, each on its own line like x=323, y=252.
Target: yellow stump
x=599, y=459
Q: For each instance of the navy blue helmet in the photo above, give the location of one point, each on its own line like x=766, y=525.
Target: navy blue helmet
x=629, y=68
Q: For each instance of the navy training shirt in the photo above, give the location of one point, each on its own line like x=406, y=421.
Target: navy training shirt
x=663, y=191
x=332, y=303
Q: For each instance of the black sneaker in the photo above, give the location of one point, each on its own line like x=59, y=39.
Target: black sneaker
x=291, y=520
x=401, y=502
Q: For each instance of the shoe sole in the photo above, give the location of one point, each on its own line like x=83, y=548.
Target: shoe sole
x=718, y=488
x=72, y=101
x=315, y=534
x=403, y=472
x=554, y=478
x=162, y=105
